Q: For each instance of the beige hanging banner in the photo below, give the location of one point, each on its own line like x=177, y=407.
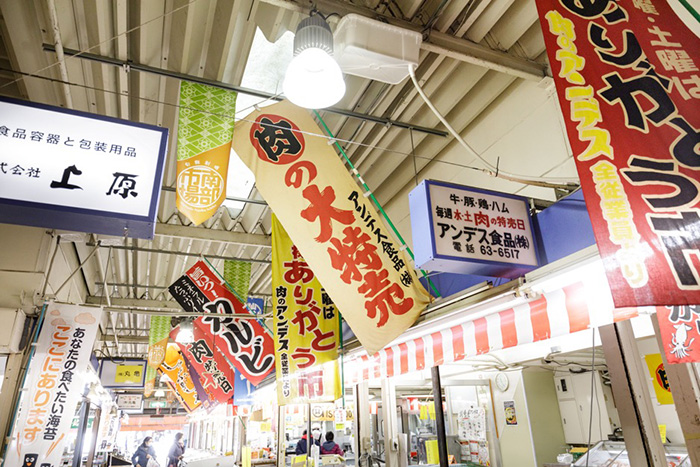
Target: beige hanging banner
x=335, y=227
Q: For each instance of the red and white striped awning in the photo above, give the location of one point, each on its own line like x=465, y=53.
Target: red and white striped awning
x=558, y=312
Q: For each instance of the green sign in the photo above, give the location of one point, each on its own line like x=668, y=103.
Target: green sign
x=157, y=404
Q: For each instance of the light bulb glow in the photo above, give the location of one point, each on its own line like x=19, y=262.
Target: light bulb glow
x=313, y=80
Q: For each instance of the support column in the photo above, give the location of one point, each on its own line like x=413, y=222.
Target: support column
x=95, y=435
x=391, y=424
x=10, y=390
x=685, y=387
x=629, y=385
x=82, y=428
x=439, y=416
x=363, y=432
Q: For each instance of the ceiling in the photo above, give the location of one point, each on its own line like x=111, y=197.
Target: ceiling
x=483, y=64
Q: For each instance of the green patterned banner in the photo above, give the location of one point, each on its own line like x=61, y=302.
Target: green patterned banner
x=157, y=345
x=237, y=274
x=205, y=129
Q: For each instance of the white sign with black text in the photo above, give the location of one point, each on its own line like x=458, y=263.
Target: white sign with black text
x=73, y=161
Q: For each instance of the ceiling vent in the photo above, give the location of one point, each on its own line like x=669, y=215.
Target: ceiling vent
x=375, y=50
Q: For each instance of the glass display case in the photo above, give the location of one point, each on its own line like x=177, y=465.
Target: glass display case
x=614, y=454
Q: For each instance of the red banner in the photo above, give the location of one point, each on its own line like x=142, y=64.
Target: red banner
x=680, y=332
x=243, y=342
x=627, y=77
x=215, y=374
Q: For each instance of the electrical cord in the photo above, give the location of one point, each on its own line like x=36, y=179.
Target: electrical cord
x=490, y=168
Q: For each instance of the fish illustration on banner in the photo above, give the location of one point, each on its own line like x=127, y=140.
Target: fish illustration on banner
x=680, y=332
x=205, y=126
x=53, y=386
x=215, y=374
x=245, y=343
x=179, y=379
x=307, y=328
x=626, y=73
x=157, y=345
x=336, y=228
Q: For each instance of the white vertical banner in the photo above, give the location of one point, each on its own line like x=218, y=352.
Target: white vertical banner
x=54, y=385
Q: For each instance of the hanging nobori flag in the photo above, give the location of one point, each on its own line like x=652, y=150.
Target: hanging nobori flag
x=306, y=327
x=627, y=75
x=244, y=342
x=54, y=385
x=205, y=126
x=179, y=379
x=680, y=332
x=237, y=275
x=214, y=373
x=202, y=395
x=157, y=345
x=336, y=228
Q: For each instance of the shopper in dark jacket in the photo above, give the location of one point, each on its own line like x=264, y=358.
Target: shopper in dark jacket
x=143, y=453
x=177, y=451
x=330, y=446
x=302, y=444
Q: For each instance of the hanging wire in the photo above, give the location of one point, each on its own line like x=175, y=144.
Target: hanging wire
x=243, y=119
x=413, y=152
x=374, y=199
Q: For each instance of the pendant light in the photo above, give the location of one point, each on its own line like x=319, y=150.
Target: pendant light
x=313, y=79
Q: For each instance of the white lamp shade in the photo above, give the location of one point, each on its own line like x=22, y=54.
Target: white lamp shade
x=313, y=80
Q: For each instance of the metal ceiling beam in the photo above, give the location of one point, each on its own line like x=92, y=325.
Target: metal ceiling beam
x=261, y=202
x=214, y=235
x=161, y=287
x=218, y=84
x=437, y=42
x=135, y=303
x=181, y=253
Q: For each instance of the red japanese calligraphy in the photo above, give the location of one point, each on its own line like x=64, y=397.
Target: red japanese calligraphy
x=321, y=208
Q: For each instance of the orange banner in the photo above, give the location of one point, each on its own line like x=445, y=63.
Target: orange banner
x=335, y=227
x=175, y=369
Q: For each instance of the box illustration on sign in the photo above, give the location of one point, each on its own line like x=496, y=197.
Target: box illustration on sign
x=471, y=231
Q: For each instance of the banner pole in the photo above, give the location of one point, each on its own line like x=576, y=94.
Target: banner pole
x=32, y=346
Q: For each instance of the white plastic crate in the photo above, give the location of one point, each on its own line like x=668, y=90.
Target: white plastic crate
x=375, y=50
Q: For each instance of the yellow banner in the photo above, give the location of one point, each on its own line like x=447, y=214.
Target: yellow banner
x=205, y=126
x=306, y=328
x=335, y=227
x=658, y=376
x=175, y=369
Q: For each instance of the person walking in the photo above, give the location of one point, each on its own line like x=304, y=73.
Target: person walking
x=330, y=446
x=177, y=451
x=144, y=453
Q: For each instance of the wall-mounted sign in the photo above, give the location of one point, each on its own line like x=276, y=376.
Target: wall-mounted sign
x=53, y=386
x=471, y=231
x=129, y=401
x=73, y=170
x=157, y=404
x=125, y=374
